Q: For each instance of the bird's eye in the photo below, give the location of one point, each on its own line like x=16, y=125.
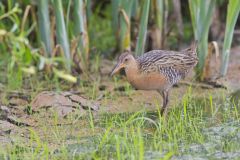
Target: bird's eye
x=126, y=59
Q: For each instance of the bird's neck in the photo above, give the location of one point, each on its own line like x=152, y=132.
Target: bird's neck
x=132, y=71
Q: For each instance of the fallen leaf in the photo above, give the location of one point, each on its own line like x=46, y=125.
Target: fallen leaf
x=63, y=102
x=6, y=126
x=17, y=101
x=4, y=112
x=212, y=63
x=8, y=117
x=50, y=99
x=16, y=121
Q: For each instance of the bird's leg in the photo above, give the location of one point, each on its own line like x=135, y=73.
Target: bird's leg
x=166, y=101
x=164, y=95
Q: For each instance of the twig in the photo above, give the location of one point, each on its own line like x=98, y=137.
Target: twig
x=206, y=85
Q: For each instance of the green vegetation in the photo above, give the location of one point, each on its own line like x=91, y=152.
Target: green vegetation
x=68, y=33
x=44, y=25
x=121, y=20
x=65, y=45
x=158, y=11
x=80, y=27
x=232, y=15
x=61, y=31
x=143, y=28
x=201, y=14
x=203, y=128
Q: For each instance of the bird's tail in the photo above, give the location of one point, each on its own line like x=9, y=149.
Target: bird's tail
x=192, y=50
x=193, y=47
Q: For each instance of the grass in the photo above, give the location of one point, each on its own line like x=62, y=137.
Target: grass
x=197, y=127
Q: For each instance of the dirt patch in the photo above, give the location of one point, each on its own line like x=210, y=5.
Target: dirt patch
x=152, y=101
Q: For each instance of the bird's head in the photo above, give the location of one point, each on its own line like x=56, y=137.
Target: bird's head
x=125, y=60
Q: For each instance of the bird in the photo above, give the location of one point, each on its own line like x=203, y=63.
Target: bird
x=157, y=69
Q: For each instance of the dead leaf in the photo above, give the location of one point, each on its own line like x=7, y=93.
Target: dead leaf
x=49, y=99
x=4, y=112
x=6, y=126
x=64, y=111
x=63, y=102
x=16, y=121
x=84, y=102
x=212, y=63
x=8, y=116
x=14, y=101
x=7, y=129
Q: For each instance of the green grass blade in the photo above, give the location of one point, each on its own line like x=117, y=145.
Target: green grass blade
x=88, y=8
x=135, y=10
x=201, y=13
x=80, y=27
x=125, y=24
x=193, y=14
x=115, y=10
x=68, y=12
x=158, y=12
x=62, y=37
x=208, y=14
x=115, y=4
x=232, y=15
x=44, y=26
x=143, y=28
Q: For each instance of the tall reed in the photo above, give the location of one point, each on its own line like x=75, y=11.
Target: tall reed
x=62, y=37
x=44, y=26
x=201, y=13
x=157, y=30
x=125, y=24
x=115, y=22
x=121, y=12
x=232, y=15
x=143, y=28
x=80, y=27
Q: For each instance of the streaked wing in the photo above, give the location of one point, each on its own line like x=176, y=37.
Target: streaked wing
x=174, y=65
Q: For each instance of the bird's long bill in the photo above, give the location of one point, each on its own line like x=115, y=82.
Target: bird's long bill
x=116, y=68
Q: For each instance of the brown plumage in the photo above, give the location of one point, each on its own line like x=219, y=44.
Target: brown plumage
x=157, y=69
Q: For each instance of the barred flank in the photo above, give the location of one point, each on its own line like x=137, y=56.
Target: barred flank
x=173, y=65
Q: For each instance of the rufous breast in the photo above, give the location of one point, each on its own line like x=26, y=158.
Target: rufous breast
x=152, y=81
